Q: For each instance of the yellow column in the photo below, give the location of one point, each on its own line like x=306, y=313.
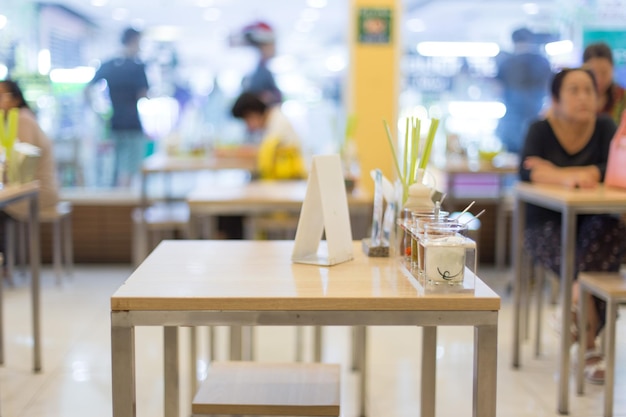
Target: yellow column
x=373, y=82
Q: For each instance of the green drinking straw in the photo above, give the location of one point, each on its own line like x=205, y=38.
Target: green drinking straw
x=3, y=134
x=405, y=164
x=393, y=151
x=414, y=149
x=434, y=123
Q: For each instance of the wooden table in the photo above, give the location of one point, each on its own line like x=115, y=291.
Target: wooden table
x=199, y=283
x=262, y=197
x=10, y=194
x=168, y=164
x=570, y=203
x=488, y=187
x=175, y=212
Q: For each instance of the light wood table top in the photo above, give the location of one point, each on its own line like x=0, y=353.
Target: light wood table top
x=167, y=163
x=553, y=194
x=259, y=275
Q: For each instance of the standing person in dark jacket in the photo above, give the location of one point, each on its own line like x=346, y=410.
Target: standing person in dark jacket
x=127, y=83
x=524, y=76
x=261, y=82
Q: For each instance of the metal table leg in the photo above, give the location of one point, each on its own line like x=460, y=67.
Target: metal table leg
x=568, y=240
x=123, y=367
x=429, y=371
x=170, y=374
x=35, y=262
x=485, y=370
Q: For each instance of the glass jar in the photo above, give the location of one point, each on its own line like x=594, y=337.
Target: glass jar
x=419, y=220
x=448, y=254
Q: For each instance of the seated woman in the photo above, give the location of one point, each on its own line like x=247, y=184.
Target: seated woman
x=570, y=148
x=29, y=131
x=611, y=97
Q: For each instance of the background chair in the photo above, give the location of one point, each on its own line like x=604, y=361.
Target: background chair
x=60, y=217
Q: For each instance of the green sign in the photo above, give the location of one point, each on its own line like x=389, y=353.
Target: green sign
x=374, y=25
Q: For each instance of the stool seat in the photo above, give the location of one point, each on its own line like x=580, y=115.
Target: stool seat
x=62, y=209
x=269, y=389
x=611, y=287
x=605, y=284
x=164, y=216
x=156, y=222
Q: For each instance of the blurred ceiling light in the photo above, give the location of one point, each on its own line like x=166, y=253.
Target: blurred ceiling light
x=43, y=61
x=212, y=14
x=415, y=25
x=530, y=8
x=476, y=109
x=204, y=3
x=335, y=63
x=77, y=75
x=310, y=15
x=559, y=47
x=138, y=23
x=318, y=4
x=4, y=71
x=3, y=21
x=99, y=3
x=282, y=63
x=164, y=33
x=229, y=82
x=466, y=49
x=303, y=26
x=119, y=14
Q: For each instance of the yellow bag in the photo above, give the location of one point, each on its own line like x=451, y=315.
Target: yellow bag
x=277, y=161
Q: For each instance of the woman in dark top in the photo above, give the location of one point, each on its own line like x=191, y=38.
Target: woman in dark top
x=570, y=148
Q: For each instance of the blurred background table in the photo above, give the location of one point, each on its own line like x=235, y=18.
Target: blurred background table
x=255, y=199
x=570, y=203
x=481, y=181
x=10, y=194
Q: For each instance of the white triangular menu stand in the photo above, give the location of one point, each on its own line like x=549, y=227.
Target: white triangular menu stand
x=325, y=207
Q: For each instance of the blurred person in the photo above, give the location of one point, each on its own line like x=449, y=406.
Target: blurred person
x=261, y=81
x=127, y=83
x=279, y=154
x=28, y=131
x=524, y=76
x=570, y=148
x=612, y=97
x=260, y=116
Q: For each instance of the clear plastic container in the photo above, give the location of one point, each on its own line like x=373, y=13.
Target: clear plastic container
x=449, y=257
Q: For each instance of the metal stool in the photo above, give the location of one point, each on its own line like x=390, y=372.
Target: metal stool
x=611, y=287
x=60, y=217
x=269, y=389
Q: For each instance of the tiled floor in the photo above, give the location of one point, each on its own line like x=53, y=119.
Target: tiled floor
x=76, y=380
